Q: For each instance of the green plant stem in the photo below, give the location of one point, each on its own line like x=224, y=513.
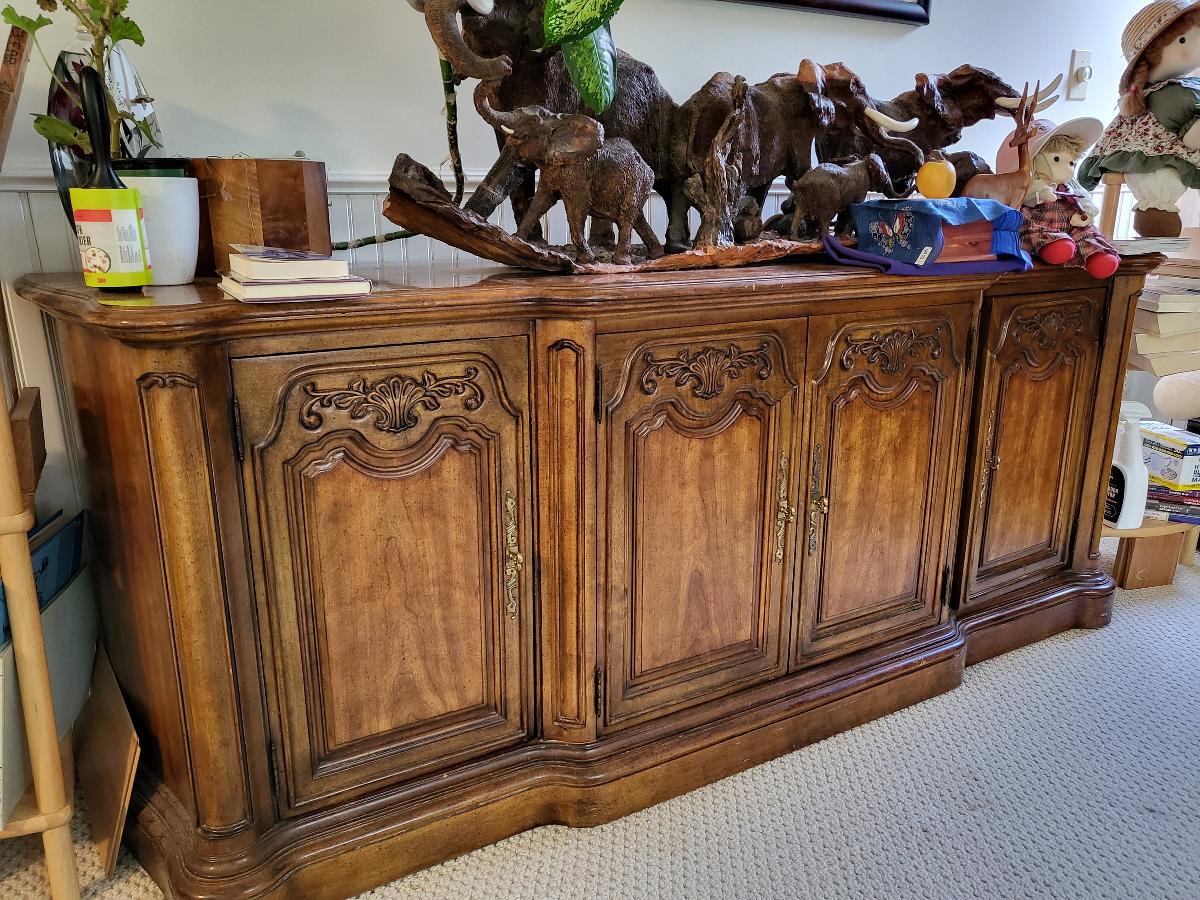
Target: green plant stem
x=53, y=75
x=460, y=178
x=374, y=239
x=450, y=93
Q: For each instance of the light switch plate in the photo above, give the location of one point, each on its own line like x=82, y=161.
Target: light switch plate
x=1080, y=74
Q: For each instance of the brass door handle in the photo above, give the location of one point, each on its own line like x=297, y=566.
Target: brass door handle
x=514, y=561
x=990, y=463
x=818, y=505
x=786, y=514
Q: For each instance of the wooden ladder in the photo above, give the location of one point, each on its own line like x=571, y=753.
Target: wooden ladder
x=46, y=809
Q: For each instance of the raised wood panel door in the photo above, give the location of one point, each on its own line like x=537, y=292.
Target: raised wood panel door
x=1039, y=366
x=387, y=490
x=701, y=481
x=887, y=414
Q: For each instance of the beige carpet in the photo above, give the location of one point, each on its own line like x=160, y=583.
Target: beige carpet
x=1069, y=769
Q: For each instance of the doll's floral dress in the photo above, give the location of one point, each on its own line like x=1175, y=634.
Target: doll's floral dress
x=1153, y=141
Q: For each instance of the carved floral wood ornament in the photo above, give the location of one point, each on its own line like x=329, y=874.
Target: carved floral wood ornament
x=707, y=371
x=394, y=401
x=892, y=350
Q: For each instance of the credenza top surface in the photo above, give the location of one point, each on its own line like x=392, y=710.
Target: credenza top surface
x=427, y=294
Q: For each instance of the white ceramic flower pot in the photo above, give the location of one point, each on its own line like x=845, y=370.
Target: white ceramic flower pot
x=172, y=211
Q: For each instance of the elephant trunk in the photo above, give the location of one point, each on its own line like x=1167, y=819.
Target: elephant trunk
x=503, y=121
x=441, y=17
x=882, y=179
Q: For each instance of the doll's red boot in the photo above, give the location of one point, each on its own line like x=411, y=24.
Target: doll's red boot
x=1103, y=265
x=1059, y=253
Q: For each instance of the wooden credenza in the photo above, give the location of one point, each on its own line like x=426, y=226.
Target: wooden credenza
x=385, y=581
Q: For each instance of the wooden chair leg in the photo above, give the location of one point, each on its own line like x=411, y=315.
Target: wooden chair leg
x=1111, y=203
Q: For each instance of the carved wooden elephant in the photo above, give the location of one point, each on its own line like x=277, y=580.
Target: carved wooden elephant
x=784, y=117
x=592, y=176
x=828, y=191
x=500, y=43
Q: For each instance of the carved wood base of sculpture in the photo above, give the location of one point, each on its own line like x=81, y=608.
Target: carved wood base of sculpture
x=421, y=203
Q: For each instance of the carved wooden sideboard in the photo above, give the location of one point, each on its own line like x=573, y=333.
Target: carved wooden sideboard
x=388, y=580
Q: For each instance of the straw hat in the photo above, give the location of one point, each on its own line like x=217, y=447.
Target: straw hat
x=1147, y=25
x=1086, y=131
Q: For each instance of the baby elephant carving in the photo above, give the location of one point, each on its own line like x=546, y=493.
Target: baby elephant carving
x=829, y=190
x=592, y=176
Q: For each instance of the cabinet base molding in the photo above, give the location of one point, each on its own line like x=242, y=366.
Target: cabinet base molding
x=342, y=851
x=1075, y=600
x=348, y=849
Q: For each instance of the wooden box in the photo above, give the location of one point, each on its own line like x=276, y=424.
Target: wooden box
x=266, y=202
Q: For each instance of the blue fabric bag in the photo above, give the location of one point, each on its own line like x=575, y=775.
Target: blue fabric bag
x=909, y=236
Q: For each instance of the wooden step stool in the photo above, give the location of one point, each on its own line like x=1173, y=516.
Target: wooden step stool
x=1147, y=556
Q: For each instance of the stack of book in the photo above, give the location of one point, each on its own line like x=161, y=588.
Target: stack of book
x=1166, y=337
x=1173, y=458
x=272, y=275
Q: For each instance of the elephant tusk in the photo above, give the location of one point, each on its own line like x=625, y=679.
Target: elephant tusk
x=886, y=121
x=1047, y=104
x=418, y=5
x=507, y=130
x=1051, y=90
x=483, y=7
x=1011, y=103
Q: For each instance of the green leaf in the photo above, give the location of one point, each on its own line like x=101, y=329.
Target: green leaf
x=574, y=20
x=16, y=20
x=144, y=127
x=57, y=131
x=123, y=29
x=592, y=63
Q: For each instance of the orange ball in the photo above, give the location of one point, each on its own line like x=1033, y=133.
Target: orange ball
x=937, y=179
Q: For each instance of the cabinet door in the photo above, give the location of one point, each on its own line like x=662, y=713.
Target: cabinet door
x=887, y=415
x=387, y=490
x=700, y=483
x=1039, y=366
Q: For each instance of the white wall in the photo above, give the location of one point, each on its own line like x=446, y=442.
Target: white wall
x=353, y=83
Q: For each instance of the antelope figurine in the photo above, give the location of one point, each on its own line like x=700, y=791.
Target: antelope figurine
x=1012, y=188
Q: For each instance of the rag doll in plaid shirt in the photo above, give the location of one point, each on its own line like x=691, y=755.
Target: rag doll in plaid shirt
x=1060, y=215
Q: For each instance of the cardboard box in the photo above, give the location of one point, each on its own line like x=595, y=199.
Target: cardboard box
x=263, y=202
x=1172, y=455
x=69, y=628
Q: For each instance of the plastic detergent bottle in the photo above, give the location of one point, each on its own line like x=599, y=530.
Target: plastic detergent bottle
x=1129, y=482
x=108, y=215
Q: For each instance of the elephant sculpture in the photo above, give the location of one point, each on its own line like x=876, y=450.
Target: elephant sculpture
x=944, y=105
x=592, y=175
x=500, y=42
x=827, y=192
x=784, y=117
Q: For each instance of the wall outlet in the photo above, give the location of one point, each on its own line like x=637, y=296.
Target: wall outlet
x=1080, y=74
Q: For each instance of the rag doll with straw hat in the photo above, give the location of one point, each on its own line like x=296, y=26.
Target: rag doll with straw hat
x=1059, y=214
x=1155, y=142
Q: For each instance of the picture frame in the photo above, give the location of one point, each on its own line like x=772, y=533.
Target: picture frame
x=913, y=12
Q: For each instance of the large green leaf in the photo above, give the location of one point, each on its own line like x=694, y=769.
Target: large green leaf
x=57, y=131
x=16, y=20
x=592, y=62
x=123, y=29
x=574, y=20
